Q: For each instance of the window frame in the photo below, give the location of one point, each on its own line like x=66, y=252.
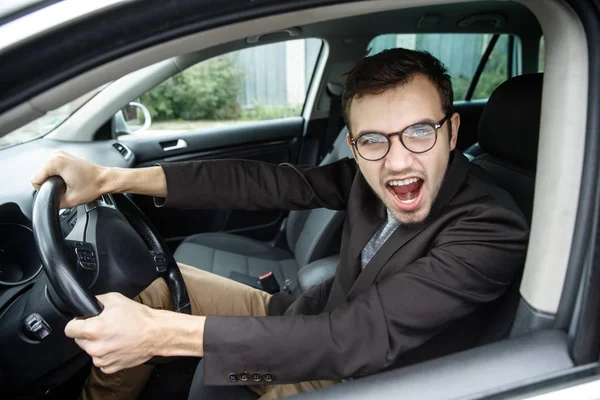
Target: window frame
x=310, y=77
x=514, y=57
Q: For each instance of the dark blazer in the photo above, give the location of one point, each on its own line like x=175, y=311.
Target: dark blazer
x=424, y=280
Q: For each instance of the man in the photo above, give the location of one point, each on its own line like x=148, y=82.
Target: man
x=427, y=241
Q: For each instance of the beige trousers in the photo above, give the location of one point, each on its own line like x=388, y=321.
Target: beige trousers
x=209, y=294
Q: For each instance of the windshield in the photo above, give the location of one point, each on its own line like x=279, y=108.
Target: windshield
x=47, y=122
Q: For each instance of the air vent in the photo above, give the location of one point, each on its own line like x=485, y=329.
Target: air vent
x=124, y=150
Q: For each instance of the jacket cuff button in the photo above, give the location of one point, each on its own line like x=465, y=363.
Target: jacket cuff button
x=232, y=377
x=256, y=377
x=268, y=377
x=244, y=376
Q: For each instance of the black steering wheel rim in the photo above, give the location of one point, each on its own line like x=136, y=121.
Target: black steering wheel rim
x=53, y=250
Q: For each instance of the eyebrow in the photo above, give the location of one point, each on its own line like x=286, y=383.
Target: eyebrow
x=422, y=121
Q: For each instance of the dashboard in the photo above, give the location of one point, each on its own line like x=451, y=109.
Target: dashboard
x=33, y=349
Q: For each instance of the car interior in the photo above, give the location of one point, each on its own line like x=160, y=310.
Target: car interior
x=527, y=84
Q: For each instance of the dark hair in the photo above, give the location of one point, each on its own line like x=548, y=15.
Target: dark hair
x=390, y=68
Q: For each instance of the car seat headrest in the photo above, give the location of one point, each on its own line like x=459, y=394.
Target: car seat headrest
x=510, y=122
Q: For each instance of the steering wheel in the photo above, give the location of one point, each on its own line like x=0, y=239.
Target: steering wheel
x=112, y=248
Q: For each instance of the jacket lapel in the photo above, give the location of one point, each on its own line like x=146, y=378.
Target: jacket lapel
x=453, y=180
x=371, y=214
x=398, y=239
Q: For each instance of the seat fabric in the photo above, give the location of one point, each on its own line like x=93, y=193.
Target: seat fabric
x=223, y=253
x=311, y=235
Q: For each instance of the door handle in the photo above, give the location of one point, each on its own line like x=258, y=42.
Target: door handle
x=174, y=145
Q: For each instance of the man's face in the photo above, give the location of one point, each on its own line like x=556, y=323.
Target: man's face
x=406, y=182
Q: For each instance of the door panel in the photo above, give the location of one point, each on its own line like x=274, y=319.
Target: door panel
x=274, y=141
x=476, y=373
x=213, y=143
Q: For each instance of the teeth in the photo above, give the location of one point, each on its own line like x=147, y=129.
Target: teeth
x=408, y=201
x=405, y=201
x=403, y=182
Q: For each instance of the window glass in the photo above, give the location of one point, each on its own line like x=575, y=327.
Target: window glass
x=46, y=123
x=260, y=83
x=496, y=68
x=460, y=53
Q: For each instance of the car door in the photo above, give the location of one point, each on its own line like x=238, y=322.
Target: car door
x=242, y=104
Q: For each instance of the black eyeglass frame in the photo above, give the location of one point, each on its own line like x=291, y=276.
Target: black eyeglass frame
x=435, y=127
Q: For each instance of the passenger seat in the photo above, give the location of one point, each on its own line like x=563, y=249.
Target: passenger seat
x=508, y=136
x=311, y=235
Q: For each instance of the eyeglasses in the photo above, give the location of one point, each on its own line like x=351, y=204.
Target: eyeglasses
x=417, y=138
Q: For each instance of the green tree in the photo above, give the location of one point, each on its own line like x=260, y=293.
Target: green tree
x=208, y=90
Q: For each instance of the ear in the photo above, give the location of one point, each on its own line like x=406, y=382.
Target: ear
x=455, y=125
x=348, y=138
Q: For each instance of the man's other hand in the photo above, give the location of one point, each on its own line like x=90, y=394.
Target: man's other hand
x=122, y=336
x=84, y=179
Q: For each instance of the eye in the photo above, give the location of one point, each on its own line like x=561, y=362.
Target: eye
x=419, y=131
x=371, y=138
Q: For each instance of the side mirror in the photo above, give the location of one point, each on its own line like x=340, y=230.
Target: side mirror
x=132, y=119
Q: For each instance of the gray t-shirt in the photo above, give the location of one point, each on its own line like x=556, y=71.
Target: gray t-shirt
x=383, y=233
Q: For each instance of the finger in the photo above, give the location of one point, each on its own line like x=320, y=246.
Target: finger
x=65, y=203
x=74, y=328
x=50, y=168
x=108, y=363
x=109, y=299
x=99, y=362
x=84, y=344
x=41, y=176
x=93, y=348
x=69, y=201
x=83, y=328
x=62, y=153
x=110, y=369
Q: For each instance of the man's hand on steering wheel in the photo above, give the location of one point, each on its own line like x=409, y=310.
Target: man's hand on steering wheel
x=124, y=335
x=84, y=179
x=122, y=252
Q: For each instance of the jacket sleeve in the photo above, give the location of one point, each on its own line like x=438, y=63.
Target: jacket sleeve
x=253, y=185
x=471, y=263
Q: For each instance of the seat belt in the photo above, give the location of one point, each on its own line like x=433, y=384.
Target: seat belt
x=334, y=91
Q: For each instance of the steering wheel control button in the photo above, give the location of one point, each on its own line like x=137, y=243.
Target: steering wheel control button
x=268, y=378
x=88, y=266
x=36, y=328
x=244, y=377
x=85, y=256
x=232, y=377
x=256, y=377
x=160, y=260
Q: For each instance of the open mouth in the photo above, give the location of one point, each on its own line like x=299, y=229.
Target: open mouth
x=407, y=192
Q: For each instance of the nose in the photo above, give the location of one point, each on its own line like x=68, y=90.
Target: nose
x=398, y=157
